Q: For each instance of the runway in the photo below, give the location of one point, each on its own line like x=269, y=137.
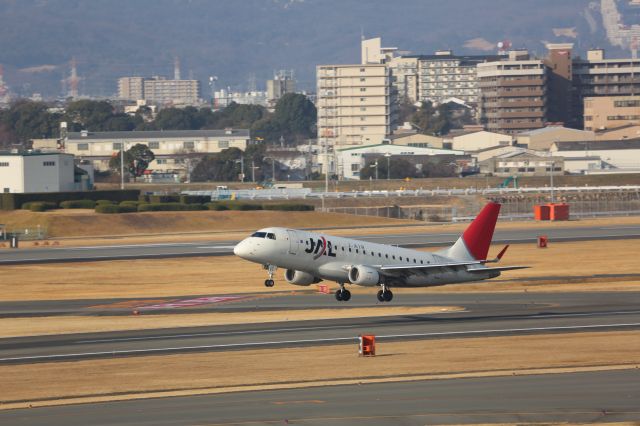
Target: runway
x=607, y=396
x=223, y=248
x=484, y=314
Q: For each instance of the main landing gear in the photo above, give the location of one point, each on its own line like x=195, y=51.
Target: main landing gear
x=385, y=295
x=342, y=294
x=272, y=270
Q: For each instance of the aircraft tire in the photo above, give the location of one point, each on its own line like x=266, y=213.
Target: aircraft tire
x=380, y=296
x=388, y=296
x=339, y=295
x=269, y=283
x=346, y=295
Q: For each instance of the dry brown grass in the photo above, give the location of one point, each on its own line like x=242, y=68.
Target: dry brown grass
x=38, y=326
x=290, y=367
x=231, y=275
x=74, y=223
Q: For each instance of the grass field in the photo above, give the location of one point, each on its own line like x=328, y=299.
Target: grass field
x=73, y=223
x=561, y=267
x=138, y=377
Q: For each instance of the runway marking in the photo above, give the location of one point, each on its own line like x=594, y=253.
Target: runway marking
x=193, y=302
x=127, y=304
x=315, y=328
x=108, y=256
x=307, y=341
x=216, y=247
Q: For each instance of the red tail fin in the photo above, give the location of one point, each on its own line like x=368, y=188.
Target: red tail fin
x=477, y=237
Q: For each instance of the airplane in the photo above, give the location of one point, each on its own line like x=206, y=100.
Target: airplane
x=309, y=258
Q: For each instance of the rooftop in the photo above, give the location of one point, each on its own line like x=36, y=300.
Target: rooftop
x=549, y=129
x=598, y=145
x=159, y=134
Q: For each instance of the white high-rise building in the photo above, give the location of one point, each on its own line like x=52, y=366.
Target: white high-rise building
x=356, y=104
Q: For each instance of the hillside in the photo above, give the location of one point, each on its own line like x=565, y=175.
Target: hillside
x=234, y=39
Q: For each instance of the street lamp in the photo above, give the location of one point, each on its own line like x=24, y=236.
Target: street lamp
x=388, y=155
x=376, y=167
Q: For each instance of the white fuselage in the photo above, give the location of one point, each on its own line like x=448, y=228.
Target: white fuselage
x=330, y=258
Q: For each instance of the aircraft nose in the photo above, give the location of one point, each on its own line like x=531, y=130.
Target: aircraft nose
x=241, y=249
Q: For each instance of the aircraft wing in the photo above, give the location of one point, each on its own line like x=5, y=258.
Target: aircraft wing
x=498, y=268
x=426, y=267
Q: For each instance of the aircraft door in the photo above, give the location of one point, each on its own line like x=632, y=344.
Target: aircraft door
x=293, y=242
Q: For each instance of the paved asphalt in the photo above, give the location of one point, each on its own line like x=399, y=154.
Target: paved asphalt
x=485, y=315
x=219, y=248
x=609, y=396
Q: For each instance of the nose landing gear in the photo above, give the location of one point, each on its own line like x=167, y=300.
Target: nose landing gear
x=342, y=294
x=385, y=295
x=271, y=269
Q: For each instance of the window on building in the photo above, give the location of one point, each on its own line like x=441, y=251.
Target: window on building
x=154, y=145
x=48, y=163
x=83, y=147
x=6, y=190
x=117, y=146
x=188, y=145
x=363, y=69
x=161, y=160
x=355, y=167
x=363, y=89
x=4, y=164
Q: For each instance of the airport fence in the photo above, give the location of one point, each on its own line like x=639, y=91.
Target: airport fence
x=514, y=209
x=24, y=234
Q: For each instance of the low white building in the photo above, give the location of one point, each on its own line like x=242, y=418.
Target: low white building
x=621, y=155
x=173, y=148
x=37, y=172
x=351, y=160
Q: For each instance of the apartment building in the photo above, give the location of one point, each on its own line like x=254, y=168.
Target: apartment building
x=513, y=94
x=356, y=104
x=610, y=112
x=160, y=90
x=597, y=76
x=282, y=82
x=131, y=88
x=445, y=75
x=404, y=74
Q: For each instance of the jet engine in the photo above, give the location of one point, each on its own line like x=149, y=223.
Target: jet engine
x=300, y=278
x=364, y=275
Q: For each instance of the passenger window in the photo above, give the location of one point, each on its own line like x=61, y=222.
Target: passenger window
x=379, y=254
x=357, y=251
x=349, y=249
x=414, y=261
x=400, y=257
x=394, y=257
x=386, y=255
x=422, y=262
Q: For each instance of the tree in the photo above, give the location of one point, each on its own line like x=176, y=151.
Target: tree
x=88, y=115
x=25, y=120
x=296, y=115
x=136, y=160
x=433, y=121
x=221, y=167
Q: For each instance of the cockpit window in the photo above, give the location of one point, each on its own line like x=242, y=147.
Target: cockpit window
x=259, y=234
x=271, y=236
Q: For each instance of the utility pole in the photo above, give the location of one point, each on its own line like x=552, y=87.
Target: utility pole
x=122, y=165
x=253, y=171
x=551, y=177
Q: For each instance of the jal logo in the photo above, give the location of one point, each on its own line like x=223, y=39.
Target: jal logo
x=319, y=247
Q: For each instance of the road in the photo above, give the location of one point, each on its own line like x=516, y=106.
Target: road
x=485, y=314
x=223, y=248
x=608, y=396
